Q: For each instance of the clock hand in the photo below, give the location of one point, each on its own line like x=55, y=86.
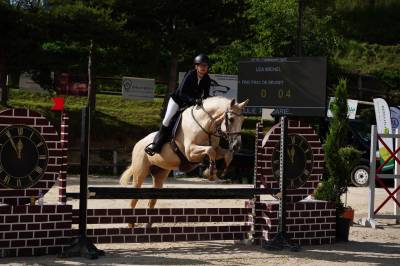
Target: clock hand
x=12, y=143
x=291, y=154
x=20, y=146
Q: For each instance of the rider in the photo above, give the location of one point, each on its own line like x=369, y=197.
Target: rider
x=194, y=87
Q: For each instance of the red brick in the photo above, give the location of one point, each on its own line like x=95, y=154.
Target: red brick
x=18, y=227
x=117, y=220
x=155, y=238
x=315, y=227
x=177, y=212
x=11, y=235
x=112, y=231
x=143, y=238
x=12, y=219
x=192, y=237
x=176, y=230
x=180, y=219
x=103, y=239
x=18, y=243
x=165, y=211
x=19, y=210
x=168, y=219
x=156, y=219
x=143, y=219
x=138, y=231
x=41, y=234
x=33, y=242
x=47, y=242
x=139, y=212
x=130, y=239
x=193, y=219
x=151, y=230
x=41, y=218
x=47, y=226
x=227, y=218
x=25, y=235
x=105, y=220
x=114, y=212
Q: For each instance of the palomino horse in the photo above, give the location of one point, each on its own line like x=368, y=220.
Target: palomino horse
x=198, y=135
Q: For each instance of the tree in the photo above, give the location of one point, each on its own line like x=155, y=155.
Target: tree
x=177, y=30
x=273, y=33
x=20, y=27
x=339, y=158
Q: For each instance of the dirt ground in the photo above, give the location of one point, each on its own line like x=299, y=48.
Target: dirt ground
x=366, y=246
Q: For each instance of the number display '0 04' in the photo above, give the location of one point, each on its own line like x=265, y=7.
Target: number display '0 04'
x=23, y=156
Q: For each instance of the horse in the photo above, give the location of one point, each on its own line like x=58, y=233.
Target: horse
x=198, y=135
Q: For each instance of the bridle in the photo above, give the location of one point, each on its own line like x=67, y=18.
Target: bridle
x=218, y=132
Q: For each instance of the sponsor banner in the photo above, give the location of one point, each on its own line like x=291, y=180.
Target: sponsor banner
x=395, y=117
x=138, y=88
x=224, y=85
x=351, y=108
x=384, y=126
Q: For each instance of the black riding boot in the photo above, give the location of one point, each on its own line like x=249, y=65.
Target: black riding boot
x=160, y=138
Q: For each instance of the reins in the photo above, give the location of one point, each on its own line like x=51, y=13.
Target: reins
x=218, y=133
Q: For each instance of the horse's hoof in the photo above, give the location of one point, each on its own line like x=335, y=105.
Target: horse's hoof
x=131, y=225
x=148, y=225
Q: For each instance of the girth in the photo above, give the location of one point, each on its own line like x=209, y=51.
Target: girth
x=185, y=165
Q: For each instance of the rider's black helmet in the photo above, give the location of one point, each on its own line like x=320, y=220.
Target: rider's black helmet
x=201, y=59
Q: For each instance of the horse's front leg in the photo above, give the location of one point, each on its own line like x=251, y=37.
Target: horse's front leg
x=227, y=155
x=197, y=153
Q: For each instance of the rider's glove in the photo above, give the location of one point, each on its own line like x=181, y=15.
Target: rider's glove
x=199, y=101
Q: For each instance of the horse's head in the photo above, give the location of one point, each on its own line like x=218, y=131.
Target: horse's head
x=232, y=124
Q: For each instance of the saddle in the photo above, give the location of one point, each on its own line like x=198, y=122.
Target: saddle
x=186, y=165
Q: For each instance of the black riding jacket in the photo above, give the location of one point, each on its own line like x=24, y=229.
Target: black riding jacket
x=189, y=90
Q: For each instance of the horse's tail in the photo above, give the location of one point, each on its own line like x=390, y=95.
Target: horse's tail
x=126, y=176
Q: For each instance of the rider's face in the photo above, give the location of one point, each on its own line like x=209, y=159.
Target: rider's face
x=202, y=69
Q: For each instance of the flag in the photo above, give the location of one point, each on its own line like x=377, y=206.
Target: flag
x=58, y=104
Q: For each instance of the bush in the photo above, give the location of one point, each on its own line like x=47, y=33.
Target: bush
x=339, y=159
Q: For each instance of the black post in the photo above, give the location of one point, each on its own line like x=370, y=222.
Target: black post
x=83, y=183
x=82, y=246
x=281, y=240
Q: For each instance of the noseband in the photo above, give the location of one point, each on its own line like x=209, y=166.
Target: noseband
x=218, y=133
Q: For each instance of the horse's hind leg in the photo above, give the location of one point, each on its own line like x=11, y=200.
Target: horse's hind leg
x=159, y=177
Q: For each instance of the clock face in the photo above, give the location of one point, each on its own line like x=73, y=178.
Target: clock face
x=23, y=156
x=298, y=166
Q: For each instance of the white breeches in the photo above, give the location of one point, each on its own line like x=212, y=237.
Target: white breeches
x=172, y=108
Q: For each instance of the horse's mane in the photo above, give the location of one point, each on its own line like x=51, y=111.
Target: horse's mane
x=219, y=102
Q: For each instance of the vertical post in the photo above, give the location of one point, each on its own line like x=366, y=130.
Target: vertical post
x=84, y=170
x=282, y=240
x=396, y=210
x=115, y=159
x=359, y=86
x=372, y=172
x=62, y=177
x=282, y=174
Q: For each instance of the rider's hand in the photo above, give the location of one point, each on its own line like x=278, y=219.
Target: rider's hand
x=199, y=101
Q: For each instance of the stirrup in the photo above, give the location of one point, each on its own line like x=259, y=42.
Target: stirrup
x=148, y=150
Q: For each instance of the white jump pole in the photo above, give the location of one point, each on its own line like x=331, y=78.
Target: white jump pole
x=396, y=210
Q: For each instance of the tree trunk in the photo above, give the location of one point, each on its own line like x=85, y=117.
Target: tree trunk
x=3, y=79
x=173, y=69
